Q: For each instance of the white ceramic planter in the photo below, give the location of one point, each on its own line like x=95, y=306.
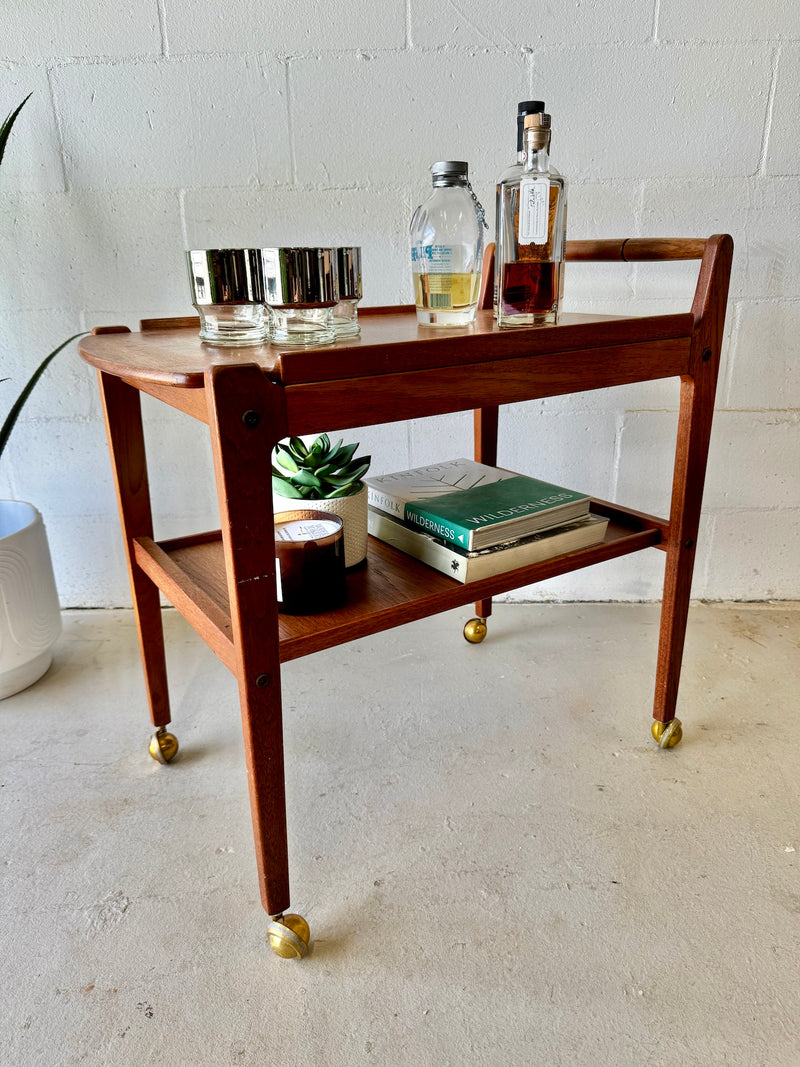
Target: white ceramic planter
x=352, y=509
x=30, y=616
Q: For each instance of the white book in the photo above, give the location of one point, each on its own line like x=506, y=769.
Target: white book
x=471, y=566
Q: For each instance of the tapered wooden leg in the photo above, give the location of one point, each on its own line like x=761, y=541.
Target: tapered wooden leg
x=123, y=416
x=246, y=420
x=684, y=522
x=694, y=432
x=485, y=422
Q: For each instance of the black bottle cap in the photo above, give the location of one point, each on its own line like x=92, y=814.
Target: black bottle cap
x=526, y=107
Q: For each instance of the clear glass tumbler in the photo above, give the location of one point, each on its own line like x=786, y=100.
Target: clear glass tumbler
x=348, y=271
x=301, y=293
x=227, y=287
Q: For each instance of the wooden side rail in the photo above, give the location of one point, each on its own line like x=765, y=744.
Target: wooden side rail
x=636, y=249
x=616, y=250
x=180, y=322
x=624, y=250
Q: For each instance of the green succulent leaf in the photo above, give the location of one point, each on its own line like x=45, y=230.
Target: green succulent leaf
x=298, y=447
x=344, y=490
x=341, y=455
x=283, y=487
x=304, y=477
x=286, y=459
x=351, y=473
x=319, y=450
x=359, y=467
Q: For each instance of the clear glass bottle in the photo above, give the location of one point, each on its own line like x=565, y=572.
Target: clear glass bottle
x=524, y=107
x=447, y=249
x=531, y=235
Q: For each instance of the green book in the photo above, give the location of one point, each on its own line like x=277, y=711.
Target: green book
x=472, y=505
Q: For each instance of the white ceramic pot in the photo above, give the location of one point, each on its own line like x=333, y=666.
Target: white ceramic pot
x=30, y=616
x=352, y=509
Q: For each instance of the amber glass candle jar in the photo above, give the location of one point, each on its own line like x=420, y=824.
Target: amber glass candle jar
x=309, y=556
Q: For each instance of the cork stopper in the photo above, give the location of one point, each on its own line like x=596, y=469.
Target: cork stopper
x=539, y=124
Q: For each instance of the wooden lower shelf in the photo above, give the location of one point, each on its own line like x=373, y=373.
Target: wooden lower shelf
x=390, y=590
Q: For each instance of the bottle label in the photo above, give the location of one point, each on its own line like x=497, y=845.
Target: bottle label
x=432, y=257
x=534, y=204
x=432, y=266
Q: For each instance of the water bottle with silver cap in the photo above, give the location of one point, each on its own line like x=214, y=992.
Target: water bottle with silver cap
x=447, y=248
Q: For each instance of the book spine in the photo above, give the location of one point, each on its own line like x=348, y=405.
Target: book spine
x=376, y=498
x=454, y=533
x=407, y=539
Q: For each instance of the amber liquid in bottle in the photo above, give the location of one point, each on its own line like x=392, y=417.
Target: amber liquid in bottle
x=531, y=235
x=530, y=288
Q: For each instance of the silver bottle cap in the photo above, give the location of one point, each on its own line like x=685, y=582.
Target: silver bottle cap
x=300, y=277
x=447, y=171
x=226, y=275
x=348, y=265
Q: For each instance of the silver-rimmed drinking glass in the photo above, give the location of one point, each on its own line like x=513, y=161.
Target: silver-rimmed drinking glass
x=228, y=291
x=348, y=269
x=301, y=293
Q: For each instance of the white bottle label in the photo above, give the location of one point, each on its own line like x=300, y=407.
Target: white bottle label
x=534, y=207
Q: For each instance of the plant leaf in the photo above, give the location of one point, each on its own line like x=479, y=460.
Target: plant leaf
x=285, y=488
x=304, y=477
x=319, y=450
x=286, y=459
x=313, y=461
x=298, y=447
x=351, y=473
x=344, y=490
x=8, y=122
x=13, y=414
x=342, y=454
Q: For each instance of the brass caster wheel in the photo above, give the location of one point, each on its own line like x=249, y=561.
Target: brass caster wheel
x=475, y=631
x=289, y=936
x=667, y=734
x=163, y=745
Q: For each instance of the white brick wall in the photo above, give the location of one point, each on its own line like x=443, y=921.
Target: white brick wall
x=168, y=123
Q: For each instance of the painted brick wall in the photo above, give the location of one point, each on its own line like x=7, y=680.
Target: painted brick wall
x=169, y=124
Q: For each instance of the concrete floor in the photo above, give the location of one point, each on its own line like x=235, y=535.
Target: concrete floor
x=497, y=863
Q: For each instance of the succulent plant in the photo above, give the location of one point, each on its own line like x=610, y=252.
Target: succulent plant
x=319, y=471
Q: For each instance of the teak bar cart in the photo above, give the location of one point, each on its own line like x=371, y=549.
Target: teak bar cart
x=224, y=582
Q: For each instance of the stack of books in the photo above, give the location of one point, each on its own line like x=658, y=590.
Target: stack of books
x=471, y=521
